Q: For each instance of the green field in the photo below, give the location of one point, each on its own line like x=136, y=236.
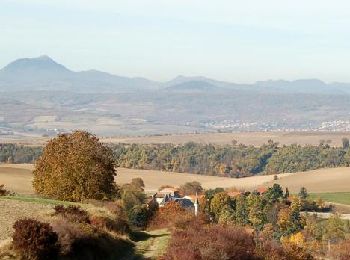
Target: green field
x=336, y=197
x=36, y=199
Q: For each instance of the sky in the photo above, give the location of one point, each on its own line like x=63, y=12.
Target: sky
x=240, y=41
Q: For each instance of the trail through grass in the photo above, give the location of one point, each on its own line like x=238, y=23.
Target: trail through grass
x=152, y=244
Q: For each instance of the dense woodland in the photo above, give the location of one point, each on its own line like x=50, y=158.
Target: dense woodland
x=235, y=160
x=12, y=153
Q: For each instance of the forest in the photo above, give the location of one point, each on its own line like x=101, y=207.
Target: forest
x=234, y=160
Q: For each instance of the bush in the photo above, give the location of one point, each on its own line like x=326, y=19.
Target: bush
x=139, y=216
x=72, y=213
x=118, y=224
x=167, y=216
x=3, y=191
x=68, y=232
x=35, y=240
x=211, y=242
x=191, y=188
x=75, y=167
x=100, y=246
x=83, y=241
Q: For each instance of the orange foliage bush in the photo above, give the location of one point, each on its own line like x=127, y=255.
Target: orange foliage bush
x=211, y=242
x=118, y=225
x=168, y=215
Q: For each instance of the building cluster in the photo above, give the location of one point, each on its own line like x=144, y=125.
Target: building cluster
x=166, y=195
x=189, y=202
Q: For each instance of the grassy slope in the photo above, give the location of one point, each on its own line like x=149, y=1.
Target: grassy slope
x=148, y=245
x=154, y=244
x=336, y=197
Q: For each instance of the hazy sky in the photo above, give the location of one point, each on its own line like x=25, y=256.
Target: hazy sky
x=241, y=41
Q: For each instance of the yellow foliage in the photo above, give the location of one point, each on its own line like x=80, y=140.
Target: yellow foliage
x=297, y=239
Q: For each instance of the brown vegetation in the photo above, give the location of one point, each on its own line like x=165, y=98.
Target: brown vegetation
x=35, y=240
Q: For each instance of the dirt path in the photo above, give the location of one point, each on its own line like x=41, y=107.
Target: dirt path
x=153, y=244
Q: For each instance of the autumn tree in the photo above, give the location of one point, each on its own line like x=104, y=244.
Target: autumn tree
x=274, y=193
x=256, y=214
x=289, y=219
x=303, y=193
x=138, y=183
x=75, y=167
x=190, y=188
x=241, y=210
x=219, y=202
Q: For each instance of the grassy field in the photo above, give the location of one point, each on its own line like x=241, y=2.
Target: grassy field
x=336, y=197
x=248, y=138
x=318, y=181
x=11, y=210
x=18, y=178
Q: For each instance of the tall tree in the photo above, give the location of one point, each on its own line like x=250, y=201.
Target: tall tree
x=75, y=167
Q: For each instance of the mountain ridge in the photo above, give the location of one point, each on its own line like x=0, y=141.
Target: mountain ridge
x=44, y=73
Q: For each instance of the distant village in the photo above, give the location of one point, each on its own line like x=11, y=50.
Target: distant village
x=237, y=125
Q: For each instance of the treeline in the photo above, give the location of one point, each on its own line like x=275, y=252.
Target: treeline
x=12, y=153
x=234, y=160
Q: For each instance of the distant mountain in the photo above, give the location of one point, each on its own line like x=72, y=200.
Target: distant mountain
x=43, y=73
x=192, y=86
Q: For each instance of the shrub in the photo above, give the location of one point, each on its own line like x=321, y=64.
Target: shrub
x=139, y=216
x=190, y=188
x=68, y=232
x=116, y=207
x=72, y=213
x=99, y=246
x=75, y=167
x=83, y=241
x=35, y=240
x=138, y=184
x=211, y=242
x=167, y=216
x=3, y=191
x=118, y=224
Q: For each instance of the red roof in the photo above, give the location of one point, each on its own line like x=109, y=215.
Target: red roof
x=261, y=189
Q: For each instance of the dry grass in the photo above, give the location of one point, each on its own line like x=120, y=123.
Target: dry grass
x=17, y=178
x=154, y=179
x=248, y=138
x=11, y=210
x=318, y=181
